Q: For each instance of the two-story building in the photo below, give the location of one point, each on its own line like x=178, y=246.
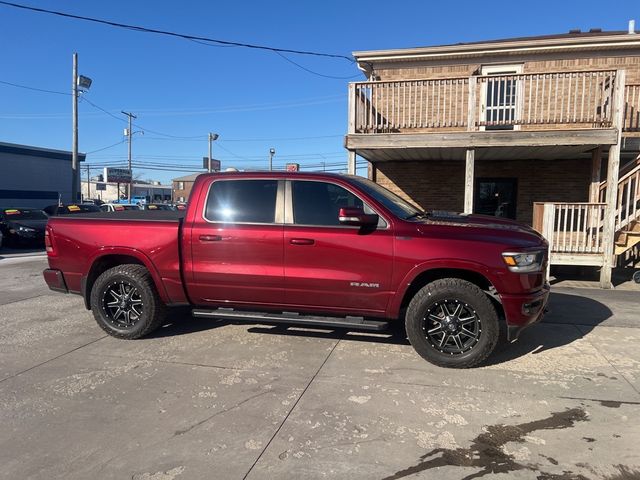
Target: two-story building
x=533, y=129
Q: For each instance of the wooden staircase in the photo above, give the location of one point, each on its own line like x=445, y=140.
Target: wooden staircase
x=625, y=240
x=627, y=232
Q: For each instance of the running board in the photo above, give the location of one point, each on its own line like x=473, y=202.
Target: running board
x=292, y=318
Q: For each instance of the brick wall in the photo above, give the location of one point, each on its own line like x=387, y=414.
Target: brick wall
x=436, y=185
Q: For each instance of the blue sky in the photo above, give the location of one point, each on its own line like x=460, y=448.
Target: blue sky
x=253, y=99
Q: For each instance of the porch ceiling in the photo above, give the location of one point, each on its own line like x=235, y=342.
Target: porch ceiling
x=505, y=145
x=493, y=153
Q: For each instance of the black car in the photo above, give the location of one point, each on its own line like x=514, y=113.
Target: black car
x=22, y=226
x=53, y=210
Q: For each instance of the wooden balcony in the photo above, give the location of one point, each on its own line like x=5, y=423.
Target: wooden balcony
x=570, y=112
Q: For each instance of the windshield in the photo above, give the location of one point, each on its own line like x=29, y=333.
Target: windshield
x=391, y=201
x=24, y=214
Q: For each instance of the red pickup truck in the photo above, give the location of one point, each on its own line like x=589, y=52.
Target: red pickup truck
x=310, y=249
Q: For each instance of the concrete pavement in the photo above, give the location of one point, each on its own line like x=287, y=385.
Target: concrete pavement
x=202, y=399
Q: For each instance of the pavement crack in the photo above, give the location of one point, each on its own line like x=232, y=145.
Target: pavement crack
x=54, y=358
x=275, y=434
x=196, y=425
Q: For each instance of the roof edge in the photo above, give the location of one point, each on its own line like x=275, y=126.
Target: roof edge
x=571, y=42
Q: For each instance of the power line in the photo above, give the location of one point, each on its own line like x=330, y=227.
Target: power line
x=316, y=73
x=176, y=34
x=105, y=148
x=33, y=88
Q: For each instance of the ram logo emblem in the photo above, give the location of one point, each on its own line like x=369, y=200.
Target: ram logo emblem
x=365, y=285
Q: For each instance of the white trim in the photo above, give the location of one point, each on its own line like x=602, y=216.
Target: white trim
x=509, y=69
x=519, y=47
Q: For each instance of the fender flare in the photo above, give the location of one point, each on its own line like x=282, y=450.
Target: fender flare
x=129, y=252
x=393, y=310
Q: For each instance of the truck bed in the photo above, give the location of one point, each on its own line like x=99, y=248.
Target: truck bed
x=151, y=238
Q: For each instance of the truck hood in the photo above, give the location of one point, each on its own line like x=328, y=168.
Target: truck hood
x=509, y=230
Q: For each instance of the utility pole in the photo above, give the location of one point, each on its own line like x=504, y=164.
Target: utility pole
x=74, y=141
x=130, y=135
x=84, y=83
x=272, y=152
x=212, y=138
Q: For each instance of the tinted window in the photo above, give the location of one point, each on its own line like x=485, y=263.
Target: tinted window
x=249, y=201
x=319, y=203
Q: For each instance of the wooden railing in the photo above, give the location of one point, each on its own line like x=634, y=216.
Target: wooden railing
x=631, y=122
x=628, y=205
x=532, y=100
x=571, y=227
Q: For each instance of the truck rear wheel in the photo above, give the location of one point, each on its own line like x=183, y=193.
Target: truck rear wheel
x=451, y=323
x=125, y=302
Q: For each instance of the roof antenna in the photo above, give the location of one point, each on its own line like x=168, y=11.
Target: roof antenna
x=632, y=27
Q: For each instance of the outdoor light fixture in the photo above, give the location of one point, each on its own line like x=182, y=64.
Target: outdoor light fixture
x=84, y=83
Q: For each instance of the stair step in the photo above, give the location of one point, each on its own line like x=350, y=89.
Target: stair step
x=359, y=323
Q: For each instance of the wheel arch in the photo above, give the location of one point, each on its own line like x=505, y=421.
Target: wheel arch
x=425, y=274
x=110, y=258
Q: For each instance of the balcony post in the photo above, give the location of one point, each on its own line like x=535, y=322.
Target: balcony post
x=471, y=105
x=469, y=180
x=596, y=164
x=613, y=167
x=351, y=163
x=548, y=228
x=352, y=109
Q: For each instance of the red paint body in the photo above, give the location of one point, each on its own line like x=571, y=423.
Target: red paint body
x=334, y=270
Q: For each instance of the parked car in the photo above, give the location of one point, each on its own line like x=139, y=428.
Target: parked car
x=117, y=207
x=55, y=210
x=312, y=249
x=22, y=226
x=155, y=206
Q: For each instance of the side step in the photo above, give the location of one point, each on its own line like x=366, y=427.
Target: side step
x=292, y=318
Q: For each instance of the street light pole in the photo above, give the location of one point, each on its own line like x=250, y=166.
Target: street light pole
x=130, y=135
x=74, y=141
x=272, y=152
x=212, y=138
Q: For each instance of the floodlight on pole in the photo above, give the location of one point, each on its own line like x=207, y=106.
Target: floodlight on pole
x=272, y=152
x=212, y=138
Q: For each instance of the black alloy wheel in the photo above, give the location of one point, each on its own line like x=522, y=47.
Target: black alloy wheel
x=452, y=326
x=122, y=304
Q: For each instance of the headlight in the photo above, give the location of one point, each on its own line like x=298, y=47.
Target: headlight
x=524, y=262
x=26, y=229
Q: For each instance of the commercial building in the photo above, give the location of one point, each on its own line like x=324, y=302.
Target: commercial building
x=110, y=192
x=182, y=187
x=34, y=176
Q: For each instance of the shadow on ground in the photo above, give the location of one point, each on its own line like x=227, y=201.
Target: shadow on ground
x=564, y=309
x=564, y=273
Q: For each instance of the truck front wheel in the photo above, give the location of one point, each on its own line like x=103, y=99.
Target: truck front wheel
x=125, y=303
x=451, y=323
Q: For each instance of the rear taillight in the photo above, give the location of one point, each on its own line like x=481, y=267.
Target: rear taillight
x=47, y=241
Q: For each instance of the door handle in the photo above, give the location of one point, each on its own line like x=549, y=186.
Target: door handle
x=302, y=241
x=210, y=238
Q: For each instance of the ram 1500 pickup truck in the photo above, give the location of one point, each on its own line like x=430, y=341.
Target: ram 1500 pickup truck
x=307, y=249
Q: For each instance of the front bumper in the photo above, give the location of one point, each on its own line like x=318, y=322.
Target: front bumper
x=524, y=310
x=55, y=280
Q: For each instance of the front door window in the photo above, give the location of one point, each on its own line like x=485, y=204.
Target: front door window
x=496, y=197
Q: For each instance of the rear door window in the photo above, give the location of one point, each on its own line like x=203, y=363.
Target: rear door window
x=242, y=201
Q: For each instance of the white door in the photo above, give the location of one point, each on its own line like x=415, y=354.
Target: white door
x=500, y=97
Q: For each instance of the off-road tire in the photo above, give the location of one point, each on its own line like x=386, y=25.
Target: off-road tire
x=452, y=292
x=135, y=278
